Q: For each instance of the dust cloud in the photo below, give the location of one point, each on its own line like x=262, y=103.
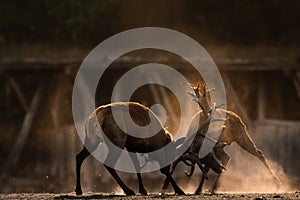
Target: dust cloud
x=246, y=173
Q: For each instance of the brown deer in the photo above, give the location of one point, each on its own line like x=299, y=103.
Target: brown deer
x=234, y=130
x=110, y=132
x=202, y=125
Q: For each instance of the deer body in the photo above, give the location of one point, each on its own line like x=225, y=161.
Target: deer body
x=141, y=116
x=198, y=126
x=234, y=131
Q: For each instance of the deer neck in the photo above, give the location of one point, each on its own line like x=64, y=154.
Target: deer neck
x=204, y=122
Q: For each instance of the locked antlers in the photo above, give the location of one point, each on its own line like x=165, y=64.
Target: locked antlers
x=201, y=96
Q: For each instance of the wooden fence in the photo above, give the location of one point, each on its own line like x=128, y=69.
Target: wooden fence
x=281, y=142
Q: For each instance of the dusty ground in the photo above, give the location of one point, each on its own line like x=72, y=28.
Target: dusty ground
x=256, y=196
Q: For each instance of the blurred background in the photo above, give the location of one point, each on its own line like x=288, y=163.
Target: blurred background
x=255, y=44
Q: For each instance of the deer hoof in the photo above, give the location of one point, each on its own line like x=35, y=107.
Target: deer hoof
x=143, y=191
x=180, y=192
x=198, y=192
x=130, y=193
x=78, y=192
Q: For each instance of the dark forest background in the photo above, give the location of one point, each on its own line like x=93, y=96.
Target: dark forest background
x=88, y=22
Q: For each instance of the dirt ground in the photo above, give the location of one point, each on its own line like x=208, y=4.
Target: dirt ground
x=254, y=196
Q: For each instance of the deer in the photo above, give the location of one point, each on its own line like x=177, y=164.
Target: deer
x=110, y=132
x=234, y=130
x=194, y=148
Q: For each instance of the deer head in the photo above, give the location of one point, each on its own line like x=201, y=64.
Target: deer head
x=201, y=95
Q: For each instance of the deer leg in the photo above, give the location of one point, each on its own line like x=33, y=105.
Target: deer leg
x=111, y=159
x=167, y=179
x=215, y=184
x=136, y=164
x=114, y=174
x=199, y=189
x=248, y=145
x=176, y=188
x=142, y=190
x=174, y=165
x=165, y=184
x=258, y=153
x=260, y=156
x=184, y=158
x=79, y=159
x=224, y=158
x=189, y=174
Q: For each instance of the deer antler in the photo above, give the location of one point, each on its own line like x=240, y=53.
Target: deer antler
x=213, y=109
x=190, y=86
x=211, y=89
x=192, y=94
x=194, y=97
x=220, y=105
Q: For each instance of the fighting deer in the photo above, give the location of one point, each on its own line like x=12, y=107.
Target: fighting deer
x=200, y=130
x=111, y=132
x=234, y=130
